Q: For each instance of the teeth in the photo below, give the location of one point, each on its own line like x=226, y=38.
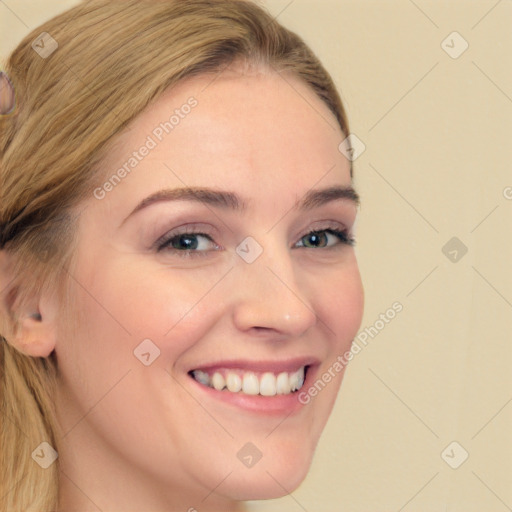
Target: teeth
x=233, y=382
x=218, y=381
x=268, y=384
x=250, y=384
x=297, y=379
x=283, y=384
x=201, y=377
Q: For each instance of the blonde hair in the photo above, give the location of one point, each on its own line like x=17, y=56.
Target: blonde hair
x=114, y=58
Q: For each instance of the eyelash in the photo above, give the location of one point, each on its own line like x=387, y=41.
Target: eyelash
x=163, y=244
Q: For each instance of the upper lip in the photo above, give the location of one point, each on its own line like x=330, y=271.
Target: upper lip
x=284, y=365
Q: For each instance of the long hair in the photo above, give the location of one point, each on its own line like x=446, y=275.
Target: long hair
x=104, y=61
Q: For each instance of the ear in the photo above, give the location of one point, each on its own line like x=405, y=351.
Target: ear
x=29, y=327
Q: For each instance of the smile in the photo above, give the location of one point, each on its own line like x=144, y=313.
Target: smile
x=238, y=381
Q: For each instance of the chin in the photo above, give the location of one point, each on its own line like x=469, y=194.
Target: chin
x=263, y=485
x=275, y=475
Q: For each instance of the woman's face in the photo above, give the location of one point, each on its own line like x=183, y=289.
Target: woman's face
x=227, y=284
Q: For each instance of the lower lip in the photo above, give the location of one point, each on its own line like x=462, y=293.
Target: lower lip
x=263, y=405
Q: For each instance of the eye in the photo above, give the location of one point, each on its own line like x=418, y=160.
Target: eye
x=192, y=244
x=324, y=238
x=187, y=243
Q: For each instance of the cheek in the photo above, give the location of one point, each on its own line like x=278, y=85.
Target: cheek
x=174, y=308
x=118, y=309
x=338, y=299
x=119, y=306
x=339, y=302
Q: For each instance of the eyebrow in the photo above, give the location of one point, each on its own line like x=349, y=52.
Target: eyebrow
x=229, y=200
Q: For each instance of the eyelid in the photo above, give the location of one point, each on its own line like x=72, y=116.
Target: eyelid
x=186, y=229
x=198, y=230
x=325, y=225
x=211, y=231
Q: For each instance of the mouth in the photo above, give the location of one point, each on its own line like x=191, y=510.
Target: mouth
x=258, y=387
x=234, y=380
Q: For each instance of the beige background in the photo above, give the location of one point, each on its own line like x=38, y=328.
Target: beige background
x=437, y=132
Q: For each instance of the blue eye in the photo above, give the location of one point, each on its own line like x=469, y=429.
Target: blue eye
x=319, y=239
x=186, y=243
x=193, y=244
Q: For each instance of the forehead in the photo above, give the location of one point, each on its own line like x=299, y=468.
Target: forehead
x=255, y=133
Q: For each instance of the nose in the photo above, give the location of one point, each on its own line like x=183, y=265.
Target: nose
x=268, y=296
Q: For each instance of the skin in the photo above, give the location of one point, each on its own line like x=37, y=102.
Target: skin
x=141, y=437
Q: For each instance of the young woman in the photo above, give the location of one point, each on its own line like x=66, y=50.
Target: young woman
x=178, y=278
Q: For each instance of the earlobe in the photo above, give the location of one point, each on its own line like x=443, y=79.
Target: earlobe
x=29, y=327
x=35, y=336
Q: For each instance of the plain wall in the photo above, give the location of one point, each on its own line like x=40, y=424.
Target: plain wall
x=437, y=165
